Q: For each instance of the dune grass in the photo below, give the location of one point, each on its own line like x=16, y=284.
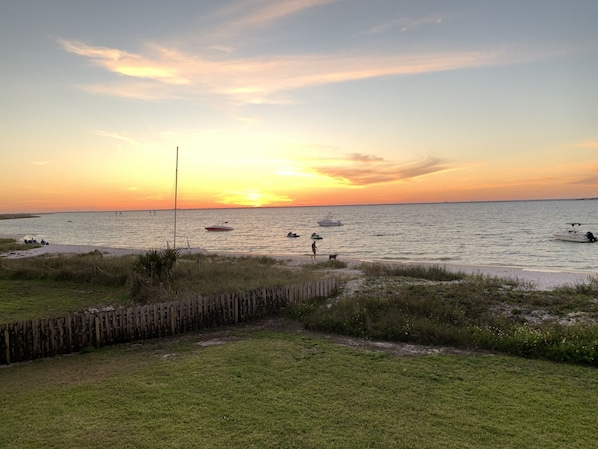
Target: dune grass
x=268, y=389
x=49, y=286
x=466, y=311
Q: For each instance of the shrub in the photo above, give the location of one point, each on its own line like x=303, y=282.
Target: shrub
x=158, y=265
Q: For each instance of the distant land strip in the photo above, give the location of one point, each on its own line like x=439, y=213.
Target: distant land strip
x=14, y=216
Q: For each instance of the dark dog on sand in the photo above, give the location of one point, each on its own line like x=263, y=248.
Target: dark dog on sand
x=332, y=256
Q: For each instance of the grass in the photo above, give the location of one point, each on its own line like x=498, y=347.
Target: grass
x=25, y=300
x=270, y=389
x=259, y=387
x=49, y=286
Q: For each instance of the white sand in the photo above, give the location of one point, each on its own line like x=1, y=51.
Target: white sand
x=539, y=279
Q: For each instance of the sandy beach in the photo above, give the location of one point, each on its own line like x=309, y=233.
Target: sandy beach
x=539, y=279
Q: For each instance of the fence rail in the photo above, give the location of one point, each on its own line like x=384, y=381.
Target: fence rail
x=28, y=340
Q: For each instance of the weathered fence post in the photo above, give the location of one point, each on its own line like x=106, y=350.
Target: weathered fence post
x=98, y=331
x=172, y=320
x=7, y=343
x=236, y=307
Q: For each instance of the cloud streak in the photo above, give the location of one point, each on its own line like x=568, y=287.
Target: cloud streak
x=404, y=24
x=587, y=144
x=117, y=137
x=248, y=15
x=258, y=79
x=362, y=169
x=125, y=63
x=161, y=71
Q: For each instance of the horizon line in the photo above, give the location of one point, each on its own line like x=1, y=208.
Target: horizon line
x=299, y=206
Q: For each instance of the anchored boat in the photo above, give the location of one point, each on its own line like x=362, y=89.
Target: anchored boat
x=574, y=233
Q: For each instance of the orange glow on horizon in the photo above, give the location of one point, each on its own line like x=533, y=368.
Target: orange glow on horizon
x=275, y=184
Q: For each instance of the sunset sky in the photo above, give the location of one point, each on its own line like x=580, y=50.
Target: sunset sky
x=295, y=102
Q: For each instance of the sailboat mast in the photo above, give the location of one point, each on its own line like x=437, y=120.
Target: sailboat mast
x=176, y=186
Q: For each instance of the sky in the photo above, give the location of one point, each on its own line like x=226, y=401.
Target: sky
x=295, y=102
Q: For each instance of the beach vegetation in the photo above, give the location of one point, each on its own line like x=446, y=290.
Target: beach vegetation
x=429, y=272
x=588, y=287
x=329, y=264
x=476, y=312
x=425, y=305
x=8, y=245
x=158, y=265
x=53, y=285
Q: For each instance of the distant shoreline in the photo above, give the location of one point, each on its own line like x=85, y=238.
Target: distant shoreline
x=16, y=216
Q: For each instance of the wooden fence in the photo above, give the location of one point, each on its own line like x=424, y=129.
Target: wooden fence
x=28, y=340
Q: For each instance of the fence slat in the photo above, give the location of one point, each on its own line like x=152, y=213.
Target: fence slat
x=37, y=338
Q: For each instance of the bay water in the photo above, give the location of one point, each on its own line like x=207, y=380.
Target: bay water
x=510, y=233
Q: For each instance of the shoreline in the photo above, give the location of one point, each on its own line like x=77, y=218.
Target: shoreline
x=540, y=279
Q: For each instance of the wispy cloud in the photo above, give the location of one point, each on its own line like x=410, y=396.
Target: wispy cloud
x=257, y=80
x=587, y=144
x=587, y=175
x=174, y=70
x=242, y=16
x=402, y=23
x=125, y=63
x=590, y=180
x=362, y=169
x=117, y=137
x=145, y=91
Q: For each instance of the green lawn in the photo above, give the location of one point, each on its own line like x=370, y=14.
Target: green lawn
x=31, y=299
x=259, y=388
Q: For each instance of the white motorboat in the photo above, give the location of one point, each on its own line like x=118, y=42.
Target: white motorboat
x=574, y=233
x=329, y=221
x=220, y=227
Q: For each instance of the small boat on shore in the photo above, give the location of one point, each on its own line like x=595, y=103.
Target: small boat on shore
x=574, y=233
x=329, y=221
x=315, y=236
x=220, y=227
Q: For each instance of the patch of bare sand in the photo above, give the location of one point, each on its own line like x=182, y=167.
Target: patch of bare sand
x=229, y=334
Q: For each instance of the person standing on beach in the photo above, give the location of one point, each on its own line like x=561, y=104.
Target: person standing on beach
x=314, y=249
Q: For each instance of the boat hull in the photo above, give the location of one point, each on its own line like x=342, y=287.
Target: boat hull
x=219, y=228
x=573, y=238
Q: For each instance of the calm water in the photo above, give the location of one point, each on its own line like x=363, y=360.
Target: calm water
x=501, y=233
